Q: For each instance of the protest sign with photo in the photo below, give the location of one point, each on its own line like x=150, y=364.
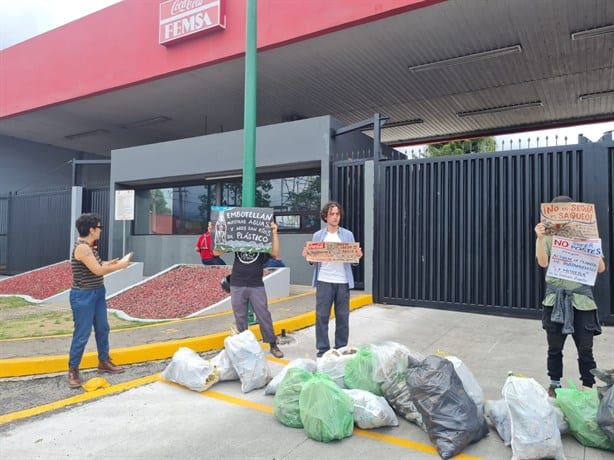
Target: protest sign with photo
x=575, y=260
x=333, y=252
x=242, y=229
x=570, y=220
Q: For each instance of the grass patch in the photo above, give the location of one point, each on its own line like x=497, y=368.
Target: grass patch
x=33, y=323
x=7, y=303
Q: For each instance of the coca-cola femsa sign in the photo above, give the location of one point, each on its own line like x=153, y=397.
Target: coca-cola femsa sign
x=184, y=18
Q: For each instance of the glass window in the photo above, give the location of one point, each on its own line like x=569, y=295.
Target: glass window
x=185, y=210
x=173, y=211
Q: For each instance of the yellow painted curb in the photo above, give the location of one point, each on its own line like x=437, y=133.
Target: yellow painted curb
x=14, y=367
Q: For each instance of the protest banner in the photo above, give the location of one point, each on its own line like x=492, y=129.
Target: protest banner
x=575, y=260
x=333, y=252
x=570, y=220
x=238, y=229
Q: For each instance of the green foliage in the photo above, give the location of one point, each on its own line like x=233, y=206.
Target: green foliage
x=158, y=203
x=460, y=147
x=12, y=302
x=308, y=198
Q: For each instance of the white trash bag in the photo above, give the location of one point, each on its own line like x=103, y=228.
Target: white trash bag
x=188, y=369
x=247, y=358
x=308, y=365
x=332, y=363
x=371, y=411
x=224, y=367
x=535, y=432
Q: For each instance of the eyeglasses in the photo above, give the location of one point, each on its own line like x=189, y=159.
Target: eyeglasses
x=99, y=226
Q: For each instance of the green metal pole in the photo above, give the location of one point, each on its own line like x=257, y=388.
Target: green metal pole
x=249, y=120
x=249, y=114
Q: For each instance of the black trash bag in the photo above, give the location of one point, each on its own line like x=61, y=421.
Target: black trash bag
x=605, y=414
x=449, y=414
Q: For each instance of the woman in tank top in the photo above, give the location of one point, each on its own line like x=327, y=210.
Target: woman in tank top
x=88, y=298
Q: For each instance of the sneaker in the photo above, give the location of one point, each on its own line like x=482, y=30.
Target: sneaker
x=74, y=381
x=551, y=391
x=275, y=351
x=108, y=366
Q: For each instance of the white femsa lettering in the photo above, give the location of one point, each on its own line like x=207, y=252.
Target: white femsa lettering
x=185, y=5
x=186, y=26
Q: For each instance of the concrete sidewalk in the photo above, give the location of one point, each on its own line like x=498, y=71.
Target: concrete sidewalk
x=157, y=420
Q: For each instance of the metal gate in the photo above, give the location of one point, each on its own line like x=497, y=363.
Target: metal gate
x=97, y=200
x=35, y=227
x=457, y=232
x=348, y=189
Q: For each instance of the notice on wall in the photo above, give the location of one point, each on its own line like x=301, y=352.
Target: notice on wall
x=570, y=220
x=333, y=252
x=242, y=229
x=575, y=260
x=124, y=205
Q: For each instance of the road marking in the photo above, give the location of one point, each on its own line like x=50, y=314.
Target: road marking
x=82, y=397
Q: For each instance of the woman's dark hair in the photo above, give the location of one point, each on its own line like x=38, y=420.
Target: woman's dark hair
x=562, y=199
x=87, y=221
x=326, y=208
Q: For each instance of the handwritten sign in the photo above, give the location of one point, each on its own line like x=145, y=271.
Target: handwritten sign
x=242, y=229
x=575, y=260
x=570, y=220
x=333, y=252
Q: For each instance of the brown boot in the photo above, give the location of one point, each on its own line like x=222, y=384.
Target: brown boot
x=74, y=381
x=108, y=366
x=275, y=351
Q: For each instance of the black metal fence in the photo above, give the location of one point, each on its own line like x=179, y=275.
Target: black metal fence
x=457, y=232
x=348, y=184
x=35, y=227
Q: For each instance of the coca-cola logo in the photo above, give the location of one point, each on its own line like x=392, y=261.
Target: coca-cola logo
x=180, y=6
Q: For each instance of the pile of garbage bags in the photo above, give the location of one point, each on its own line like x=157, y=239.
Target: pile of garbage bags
x=369, y=386
x=532, y=423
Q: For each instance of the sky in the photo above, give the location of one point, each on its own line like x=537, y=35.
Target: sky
x=23, y=19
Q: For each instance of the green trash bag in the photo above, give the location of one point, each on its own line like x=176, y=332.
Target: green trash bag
x=580, y=409
x=359, y=372
x=327, y=412
x=285, y=403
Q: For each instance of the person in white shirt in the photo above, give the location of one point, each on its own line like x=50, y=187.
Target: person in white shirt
x=333, y=281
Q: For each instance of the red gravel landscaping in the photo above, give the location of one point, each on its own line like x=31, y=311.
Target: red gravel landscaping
x=174, y=294
x=39, y=284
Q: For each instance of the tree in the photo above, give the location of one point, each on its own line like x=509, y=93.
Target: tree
x=308, y=196
x=158, y=202
x=460, y=147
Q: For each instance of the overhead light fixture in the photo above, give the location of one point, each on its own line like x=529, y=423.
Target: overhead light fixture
x=146, y=122
x=94, y=132
x=504, y=108
x=401, y=123
x=590, y=33
x=584, y=97
x=467, y=58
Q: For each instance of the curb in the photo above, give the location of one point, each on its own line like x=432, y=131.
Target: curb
x=19, y=367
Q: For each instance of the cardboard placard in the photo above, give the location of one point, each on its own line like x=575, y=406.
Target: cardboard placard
x=242, y=229
x=570, y=220
x=575, y=260
x=333, y=252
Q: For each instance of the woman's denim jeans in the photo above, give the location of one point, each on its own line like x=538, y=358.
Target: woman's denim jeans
x=89, y=308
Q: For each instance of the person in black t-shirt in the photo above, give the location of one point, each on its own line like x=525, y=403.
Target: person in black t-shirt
x=246, y=286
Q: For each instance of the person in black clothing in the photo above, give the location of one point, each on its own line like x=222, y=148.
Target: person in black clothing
x=247, y=286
